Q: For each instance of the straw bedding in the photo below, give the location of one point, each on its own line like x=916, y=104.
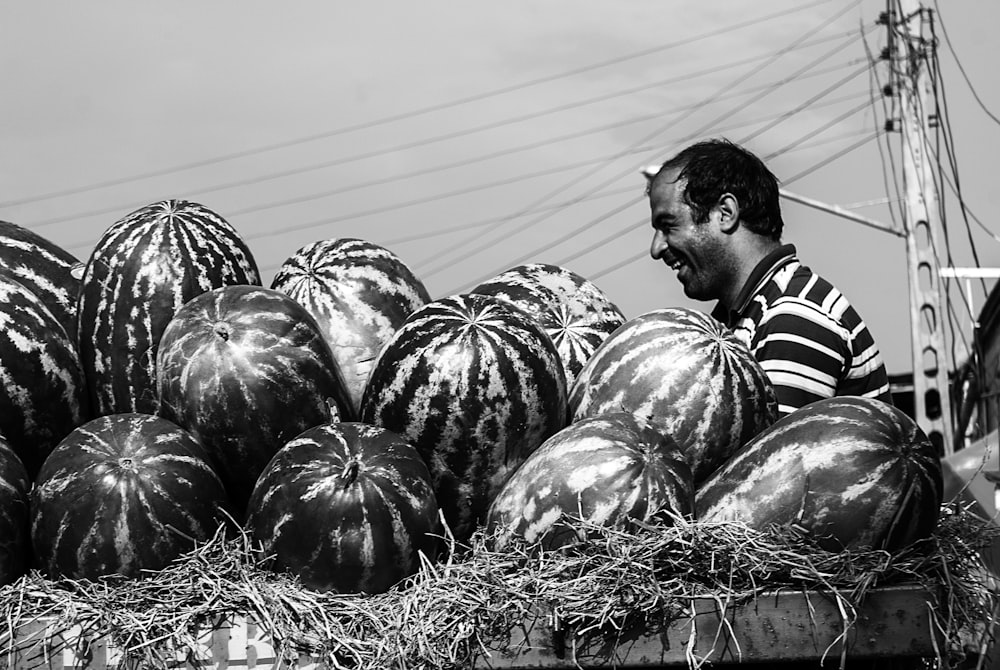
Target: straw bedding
x=465, y=606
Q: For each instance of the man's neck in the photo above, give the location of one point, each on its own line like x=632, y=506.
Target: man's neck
x=755, y=249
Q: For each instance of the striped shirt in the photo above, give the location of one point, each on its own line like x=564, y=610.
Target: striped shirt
x=805, y=334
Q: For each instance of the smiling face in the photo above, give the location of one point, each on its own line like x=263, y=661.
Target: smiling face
x=697, y=251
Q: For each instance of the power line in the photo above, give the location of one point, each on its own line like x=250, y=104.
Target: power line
x=611, y=237
x=425, y=235
x=575, y=232
x=376, y=153
x=813, y=133
x=885, y=152
x=418, y=201
x=777, y=55
x=961, y=69
x=635, y=257
x=464, y=191
x=833, y=157
x=406, y=115
x=617, y=266
x=558, y=206
x=600, y=243
x=808, y=102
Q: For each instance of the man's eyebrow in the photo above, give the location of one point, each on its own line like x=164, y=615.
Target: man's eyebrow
x=662, y=217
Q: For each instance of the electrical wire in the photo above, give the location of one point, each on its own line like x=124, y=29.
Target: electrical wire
x=426, y=235
x=974, y=352
x=886, y=155
x=833, y=157
x=429, y=170
x=822, y=128
x=961, y=68
x=917, y=57
x=631, y=259
x=614, y=235
x=806, y=104
x=382, y=209
x=574, y=233
x=479, y=97
x=406, y=146
x=490, y=243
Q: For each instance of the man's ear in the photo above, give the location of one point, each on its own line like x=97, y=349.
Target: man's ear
x=729, y=212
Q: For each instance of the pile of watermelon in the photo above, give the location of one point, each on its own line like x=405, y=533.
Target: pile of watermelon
x=354, y=427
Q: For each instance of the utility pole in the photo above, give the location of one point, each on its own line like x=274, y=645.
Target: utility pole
x=911, y=82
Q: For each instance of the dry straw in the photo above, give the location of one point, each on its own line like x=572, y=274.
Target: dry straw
x=459, y=609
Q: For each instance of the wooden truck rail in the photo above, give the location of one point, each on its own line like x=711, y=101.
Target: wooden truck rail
x=786, y=625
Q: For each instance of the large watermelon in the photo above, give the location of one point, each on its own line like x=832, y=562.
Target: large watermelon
x=43, y=395
x=346, y=507
x=45, y=269
x=122, y=494
x=245, y=369
x=15, y=546
x=605, y=470
x=576, y=314
x=852, y=472
x=359, y=293
x=685, y=373
x=475, y=385
x=143, y=269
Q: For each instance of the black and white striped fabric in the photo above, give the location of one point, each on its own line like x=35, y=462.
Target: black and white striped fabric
x=806, y=335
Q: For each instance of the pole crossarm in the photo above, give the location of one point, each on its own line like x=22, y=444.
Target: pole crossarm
x=841, y=212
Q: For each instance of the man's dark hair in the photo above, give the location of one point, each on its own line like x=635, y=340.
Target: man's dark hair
x=718, y=166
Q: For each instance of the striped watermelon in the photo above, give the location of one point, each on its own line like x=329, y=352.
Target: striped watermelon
x=15, y=546
x=475, y=385
x=43, y=395
x=122, y=494
x=576, y=314
x=144, y=268
x=245, y=369
x=606, y=470
x=359, y=293
x=45, y=269
x=346, y=507
x=688, y=375
x=852, y=472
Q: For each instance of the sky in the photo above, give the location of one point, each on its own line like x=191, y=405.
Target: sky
x=470, y=137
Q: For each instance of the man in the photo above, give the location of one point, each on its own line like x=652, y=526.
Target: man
x=717, y=223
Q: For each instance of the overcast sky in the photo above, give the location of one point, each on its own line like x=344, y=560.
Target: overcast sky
x=468, y=137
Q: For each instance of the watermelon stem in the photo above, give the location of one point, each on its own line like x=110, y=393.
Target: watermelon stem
x=222, y=330
x=350, y=473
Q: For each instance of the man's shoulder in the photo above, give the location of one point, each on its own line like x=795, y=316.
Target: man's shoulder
x=800, y=285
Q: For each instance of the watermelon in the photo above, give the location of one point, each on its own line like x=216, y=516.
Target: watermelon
x=475, y=385
x=143, y=269
x=346, y=507
x=576, y=314
x=850, y=472
x=43, y=395
x=14, y=487
x=359, y=293
x=245, y=369
x=45, y=269
x=686, y=374
x=605, y=470
x=122, y=494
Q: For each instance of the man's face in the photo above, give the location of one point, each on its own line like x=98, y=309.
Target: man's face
x=695, y=251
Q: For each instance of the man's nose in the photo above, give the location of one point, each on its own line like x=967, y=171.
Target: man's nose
x=659, y=245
